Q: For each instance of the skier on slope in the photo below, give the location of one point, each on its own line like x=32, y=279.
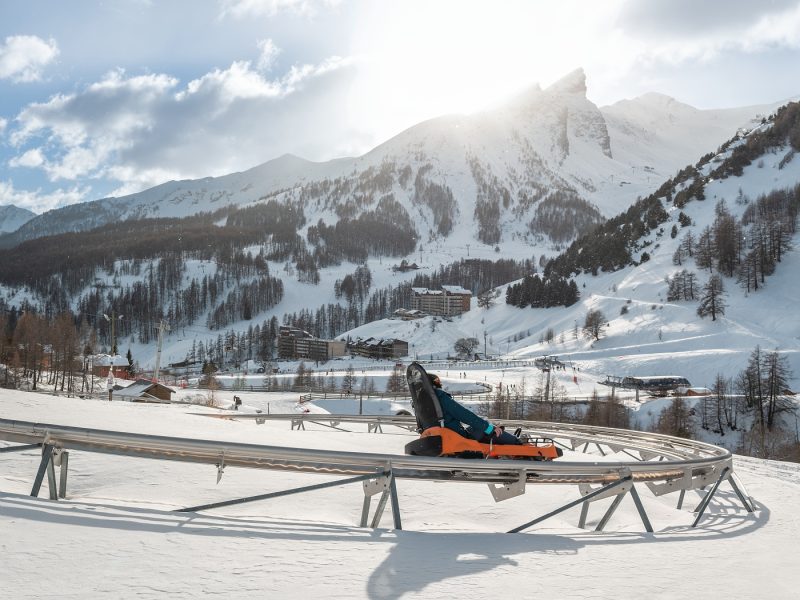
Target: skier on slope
x=477, y=429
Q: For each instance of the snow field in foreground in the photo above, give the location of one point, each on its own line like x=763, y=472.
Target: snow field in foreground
x=117, y=535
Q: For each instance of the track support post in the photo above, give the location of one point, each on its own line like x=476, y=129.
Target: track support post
x=619, y=495
x=387, y=488
x=504, y=491
x=701, y=508
x=61, y=460
x=45, y=466
x=602, y=490
x=746, y=500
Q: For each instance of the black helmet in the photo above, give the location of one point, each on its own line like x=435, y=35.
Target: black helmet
x=437, y=383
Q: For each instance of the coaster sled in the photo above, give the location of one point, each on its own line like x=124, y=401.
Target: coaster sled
x=437, y=440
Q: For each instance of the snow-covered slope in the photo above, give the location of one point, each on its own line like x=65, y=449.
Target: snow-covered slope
x=544, y=144
x=646, y=334
x=652, y=337
x=118, y=533
x=655, y=131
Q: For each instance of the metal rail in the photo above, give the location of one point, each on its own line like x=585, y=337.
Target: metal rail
x=680, y=465
x=649, y=445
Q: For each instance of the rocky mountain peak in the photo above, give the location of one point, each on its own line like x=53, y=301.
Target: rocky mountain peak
x=571, y=83
x=12, y=217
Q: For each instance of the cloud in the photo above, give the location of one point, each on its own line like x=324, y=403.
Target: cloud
x=83, y=131
x=3, y=124
x=133, y=132
x=31, y=158
x=22, y=57
x=247, y=8
x=731, y=20
x=673, y=33
x=38, y=201
x=269, y=53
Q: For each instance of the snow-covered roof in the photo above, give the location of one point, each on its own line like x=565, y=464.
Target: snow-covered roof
x=455, y=289
x=138, y=388
x=105, y=360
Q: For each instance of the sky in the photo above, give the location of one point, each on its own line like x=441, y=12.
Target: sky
x=107, y=98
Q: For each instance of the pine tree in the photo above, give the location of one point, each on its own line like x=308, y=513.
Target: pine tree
x=712, y=302
x=349, y=380
x=593, y=324
x=676, y=419
x=396, y=382
x=705, y=250
x=776, y=376
x=302, y=376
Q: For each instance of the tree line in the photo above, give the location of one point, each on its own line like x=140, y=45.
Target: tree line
x=752, y=408
x=538, y=292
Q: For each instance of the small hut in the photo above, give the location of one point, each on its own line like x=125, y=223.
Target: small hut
x=143, y=390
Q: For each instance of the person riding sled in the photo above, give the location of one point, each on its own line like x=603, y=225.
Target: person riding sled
x=456, y=416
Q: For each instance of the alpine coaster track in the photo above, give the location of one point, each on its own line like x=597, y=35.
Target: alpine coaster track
x=663, y=463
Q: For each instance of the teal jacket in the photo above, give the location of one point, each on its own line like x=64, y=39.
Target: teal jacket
x=454, y=415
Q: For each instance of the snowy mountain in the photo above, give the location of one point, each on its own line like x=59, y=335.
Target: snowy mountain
x=549, y=163
x=13, y=217
x=207, y=286
x=648, y=330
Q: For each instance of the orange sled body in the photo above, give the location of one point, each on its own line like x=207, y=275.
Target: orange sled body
x=440, y=441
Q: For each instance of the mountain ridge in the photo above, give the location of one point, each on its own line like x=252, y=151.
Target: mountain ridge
x=13, y=217
x=498, y=165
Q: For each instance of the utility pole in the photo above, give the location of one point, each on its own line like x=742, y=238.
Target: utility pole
x=161, y=328
x=485, y=355
x=547, y=385
x=112, y=320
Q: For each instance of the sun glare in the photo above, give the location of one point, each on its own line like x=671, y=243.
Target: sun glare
x=433, y=58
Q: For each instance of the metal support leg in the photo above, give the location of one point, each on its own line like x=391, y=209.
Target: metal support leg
x=584, y=514
x=639, y=458
x=680, y=499
x=602, y=452
x=51, y=480
x=380, y=484
x=365, y=510
x=606, y=517
x=376, y=519
x=47, y=457
x=62, y=487
x=586, y=498
x=742, y=497
x=395, y=503
x=640, y=507
x=704, y=503
x=306, y=488
x=19, y=448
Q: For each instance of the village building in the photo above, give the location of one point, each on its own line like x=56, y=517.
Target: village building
x=143, y=390
x=406, y=314
x=379, y=348
x=450, y=300
x=103, y=363
x=296, y=343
